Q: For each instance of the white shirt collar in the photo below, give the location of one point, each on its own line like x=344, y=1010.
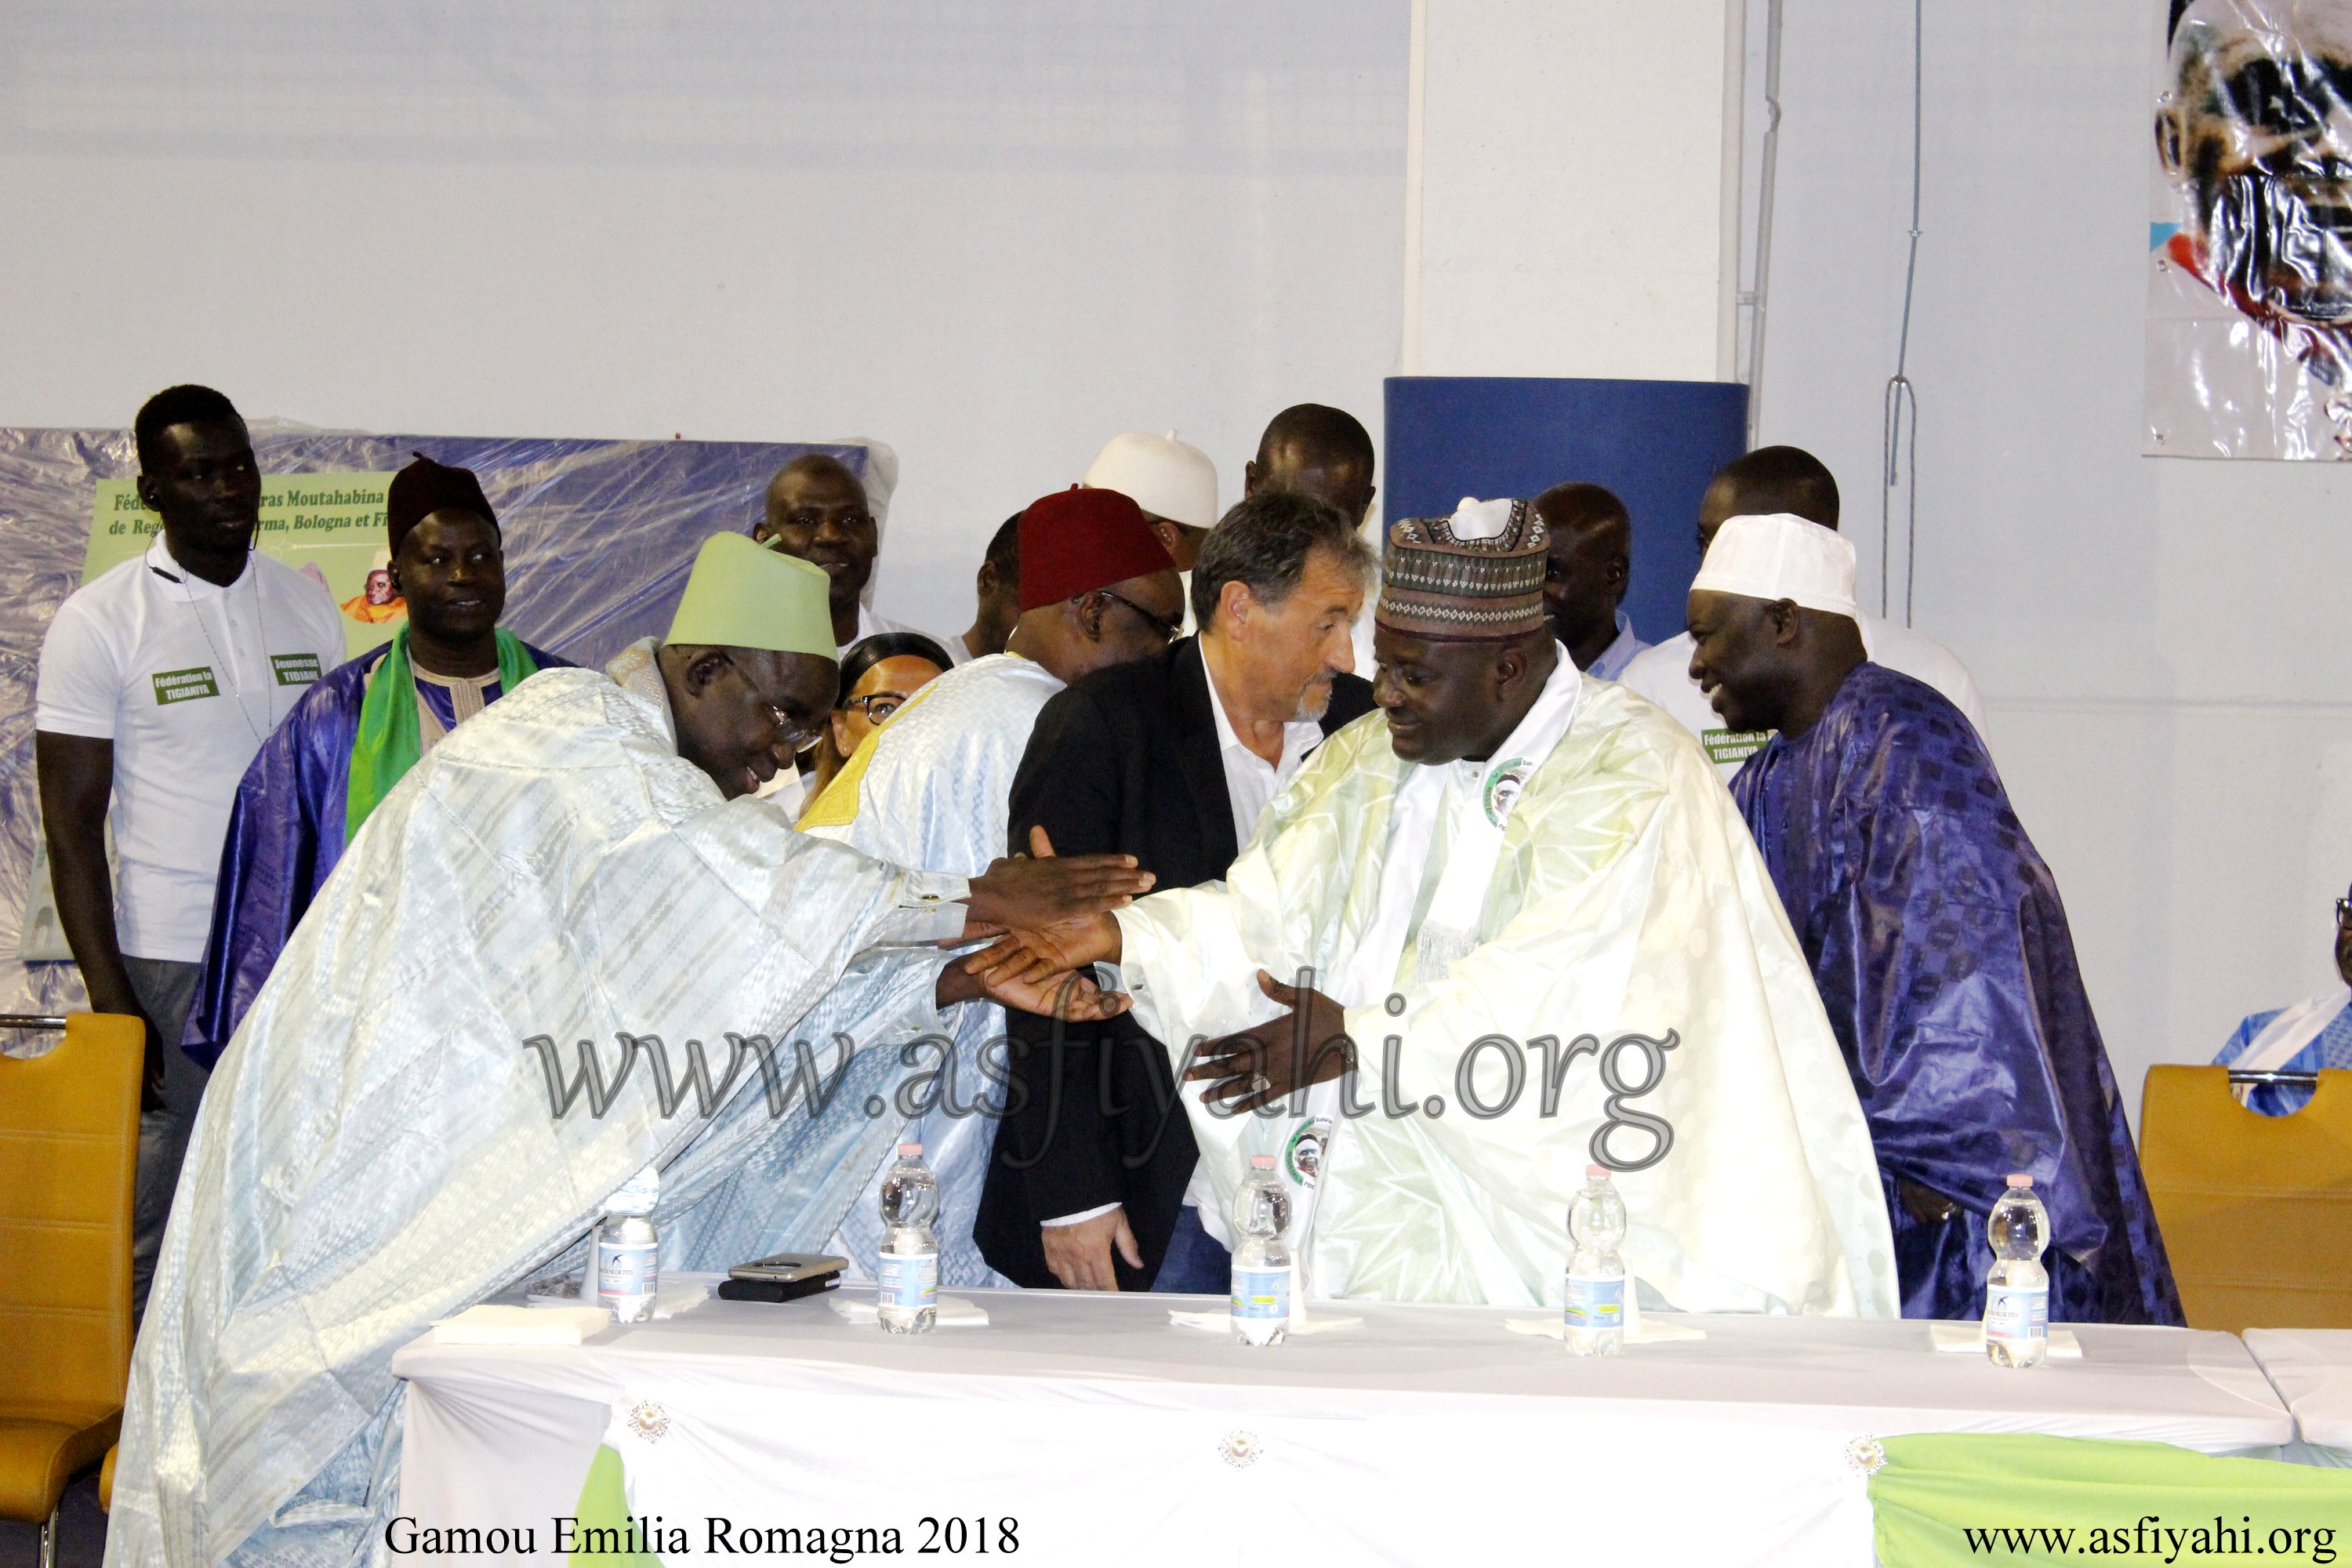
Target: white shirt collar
x=1620, y=651
x=160, y=558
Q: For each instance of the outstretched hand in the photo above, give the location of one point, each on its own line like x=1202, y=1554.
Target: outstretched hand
x=1266, y=1062
x=1032, y=892
x=1075, y=998
x=1028, y=953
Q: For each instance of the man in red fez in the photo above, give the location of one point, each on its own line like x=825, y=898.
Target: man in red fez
x=930, y=788
x=1172, y=760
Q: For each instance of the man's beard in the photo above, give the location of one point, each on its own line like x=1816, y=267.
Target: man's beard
x=1315, y=701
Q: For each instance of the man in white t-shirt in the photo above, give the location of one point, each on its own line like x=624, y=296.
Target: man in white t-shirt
x=158, y=683
x=1782, y=479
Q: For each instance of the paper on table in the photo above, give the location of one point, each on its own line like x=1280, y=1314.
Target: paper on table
x=1649, y=1330
x=679, y=1293
x=521, y=1326
x=1218, y=1320
x=1969, y=1338
x=954, y=1312
x=679, y=1296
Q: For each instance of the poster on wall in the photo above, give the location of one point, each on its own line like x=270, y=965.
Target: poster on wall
x=598, y=537
x=2250, y=238
x=329, y=526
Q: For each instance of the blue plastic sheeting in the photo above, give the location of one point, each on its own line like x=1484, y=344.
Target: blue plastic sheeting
x=599, y=537
x=1655, y=443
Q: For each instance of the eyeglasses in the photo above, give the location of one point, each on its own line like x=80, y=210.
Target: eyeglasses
x=877, y=705
x=791, y=734
x=1169, y=630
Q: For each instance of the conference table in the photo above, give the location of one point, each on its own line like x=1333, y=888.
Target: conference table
x=2312, y=1370
x=1081, y=1427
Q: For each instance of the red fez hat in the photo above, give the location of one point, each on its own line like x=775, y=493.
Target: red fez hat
x=425, y=486
x=1076, y=540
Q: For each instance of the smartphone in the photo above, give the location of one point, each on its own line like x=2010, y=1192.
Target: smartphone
x=789, y=1268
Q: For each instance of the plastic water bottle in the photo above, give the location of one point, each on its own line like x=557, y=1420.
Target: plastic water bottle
x=627, y=1267
x=1593, y=1311
x=1262, y=1271
x=908, y=1267
x=2016, y=1290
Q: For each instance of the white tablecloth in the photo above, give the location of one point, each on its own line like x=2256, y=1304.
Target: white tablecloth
x=1427, y=1434
x=2312, y=1370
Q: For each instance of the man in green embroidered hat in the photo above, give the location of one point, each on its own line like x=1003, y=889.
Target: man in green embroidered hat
x=357, y=732
x=1536, y=937
x=577, y=877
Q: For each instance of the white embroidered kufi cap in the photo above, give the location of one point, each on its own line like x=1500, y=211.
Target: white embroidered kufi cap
x=1165, y=477
x=1779, y=555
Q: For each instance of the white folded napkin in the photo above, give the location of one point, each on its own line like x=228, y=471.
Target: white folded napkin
x=521, y=1326
x=1219, y=1320
x=954, y=1311
x=1645, y=1331
x=676, y=1295
x=1969, y=1339
x=679, y=1296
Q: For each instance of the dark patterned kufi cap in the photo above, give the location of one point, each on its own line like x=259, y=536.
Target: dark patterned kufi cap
x=1478, y=574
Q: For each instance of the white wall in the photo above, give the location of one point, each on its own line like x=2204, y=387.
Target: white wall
x=1567, y=215
x=990, y=234
x=2161, y=641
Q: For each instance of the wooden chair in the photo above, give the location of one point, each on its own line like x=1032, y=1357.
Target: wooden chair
x=68, y=1146
x=2256, y=1210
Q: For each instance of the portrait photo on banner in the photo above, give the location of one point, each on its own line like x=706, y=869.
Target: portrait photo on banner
x=2250, y=231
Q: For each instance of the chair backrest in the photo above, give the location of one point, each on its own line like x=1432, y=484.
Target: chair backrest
x=2256, y=1210
x=68, y=1145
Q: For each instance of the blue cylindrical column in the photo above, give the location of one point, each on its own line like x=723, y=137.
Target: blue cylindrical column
x=1655, y=443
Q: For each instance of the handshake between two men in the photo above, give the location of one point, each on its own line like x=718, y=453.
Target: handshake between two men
x=1051, y=920
x=1039, y=963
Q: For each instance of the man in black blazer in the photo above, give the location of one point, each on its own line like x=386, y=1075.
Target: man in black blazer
x=1172, y=760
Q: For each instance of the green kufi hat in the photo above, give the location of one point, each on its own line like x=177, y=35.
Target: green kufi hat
x=743, y=595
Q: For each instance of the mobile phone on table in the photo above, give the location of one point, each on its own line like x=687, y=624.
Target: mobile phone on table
x=787, y=1277
x=790, y=1268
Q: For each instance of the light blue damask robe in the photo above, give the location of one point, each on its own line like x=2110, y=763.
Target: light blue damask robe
x=930, y=788
x=377, y=1148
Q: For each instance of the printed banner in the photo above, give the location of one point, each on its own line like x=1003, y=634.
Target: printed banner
x=599, y=535
x=326, y=526
x=2250, y=238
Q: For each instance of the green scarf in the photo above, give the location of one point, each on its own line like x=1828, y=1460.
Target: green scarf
x=389, y=742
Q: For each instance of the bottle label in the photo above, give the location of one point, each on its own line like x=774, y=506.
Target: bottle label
x=909, y=1280
x=1262, y=1294
x=2017, y=1314
x=626, y=1270
x=1594, y=1302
